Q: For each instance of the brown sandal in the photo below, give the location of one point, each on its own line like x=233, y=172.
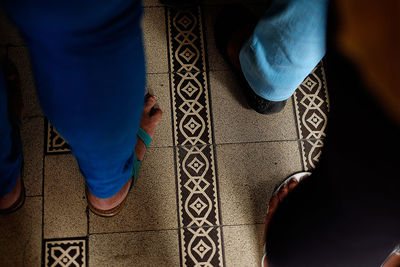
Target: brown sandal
x=18, y=203
x=106, y=213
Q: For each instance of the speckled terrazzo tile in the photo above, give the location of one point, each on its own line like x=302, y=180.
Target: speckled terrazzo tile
x=235, y=122
x=64, y=198
x=32, y=145
x=20, y=57
x=151, y=204
x=151, y=248
x=248, y=174
x=21, y=235
x=155, y=42
x=243, y=245
x=158, y=84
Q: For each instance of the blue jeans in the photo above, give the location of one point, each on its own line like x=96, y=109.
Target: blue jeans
x=89, y=69
x=287, y=43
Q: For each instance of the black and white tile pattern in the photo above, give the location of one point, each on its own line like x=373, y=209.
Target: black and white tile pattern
x=54, y=142
x=65, y=252
x=312, y=107
x=199, y=219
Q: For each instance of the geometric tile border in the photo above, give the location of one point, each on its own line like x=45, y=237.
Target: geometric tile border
x=54, y=142
x=65, y=252
x=311, y=151
x=311, y=102
x=200, y=234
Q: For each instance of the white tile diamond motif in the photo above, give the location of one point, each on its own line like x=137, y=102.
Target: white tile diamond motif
x=65, y=253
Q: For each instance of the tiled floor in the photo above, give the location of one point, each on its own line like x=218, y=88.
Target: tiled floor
x=206, y=180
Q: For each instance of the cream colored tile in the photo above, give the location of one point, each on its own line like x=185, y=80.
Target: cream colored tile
x=64, y=198
x=21, y=235
x=234, y=122
x=151, y=205
x=248, y=174
x=8, y=32
x=153, y=248
x=20, y=57
x=32, y=135
x=155, y=40
x=158, y=84
x=243, y=245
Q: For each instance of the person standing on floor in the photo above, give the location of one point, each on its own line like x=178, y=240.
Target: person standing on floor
x=347, y=212
x=89, y=69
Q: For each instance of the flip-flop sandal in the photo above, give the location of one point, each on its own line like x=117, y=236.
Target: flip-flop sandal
x=230, y=20
x=136, y=164
x=18, y=203
x=298, y=177
x=15, y=106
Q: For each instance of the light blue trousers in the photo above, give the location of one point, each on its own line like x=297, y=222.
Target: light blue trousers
x=287, y=43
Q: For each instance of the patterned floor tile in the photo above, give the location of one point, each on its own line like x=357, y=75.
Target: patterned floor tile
x=311, y=151
x=195, y=162
x=203, y=247
x=69, y=252
x=54, y=142
x=312, y=107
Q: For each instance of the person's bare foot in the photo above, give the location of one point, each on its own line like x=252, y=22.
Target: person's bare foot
x=151, y=116
x=274, y=202
x=9, y=199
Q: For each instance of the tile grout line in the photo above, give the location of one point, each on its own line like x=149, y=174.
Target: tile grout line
x=166, y=15
x=294, y=103
x=207, y=69
x=42, y=239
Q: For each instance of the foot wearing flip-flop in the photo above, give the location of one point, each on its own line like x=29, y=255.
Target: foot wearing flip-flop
x=108, y=207
x=279, y=195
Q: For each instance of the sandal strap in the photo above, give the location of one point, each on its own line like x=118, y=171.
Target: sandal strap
x=145, y=137
x=136, y=165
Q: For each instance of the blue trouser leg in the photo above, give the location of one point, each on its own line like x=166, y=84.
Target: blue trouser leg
x=10, y=147
x=88, y=63
x=287, y=43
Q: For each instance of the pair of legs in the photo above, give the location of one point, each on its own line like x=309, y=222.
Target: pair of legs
x=89, y=69
x=346, y=213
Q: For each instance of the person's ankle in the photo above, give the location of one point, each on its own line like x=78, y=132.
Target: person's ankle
x=9, y=199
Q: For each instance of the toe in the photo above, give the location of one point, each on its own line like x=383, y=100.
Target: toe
x=292, y=184
x=273, y=204
x=156, y=114
x=151, y=100
x=283, y=192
